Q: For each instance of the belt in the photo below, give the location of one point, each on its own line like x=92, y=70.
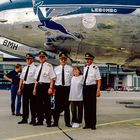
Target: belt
x=61, y=86
x=42, y=83
x=29, y=84
x=90, y=85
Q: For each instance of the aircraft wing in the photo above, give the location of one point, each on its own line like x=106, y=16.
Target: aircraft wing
x=54, y=10
x=58, y=11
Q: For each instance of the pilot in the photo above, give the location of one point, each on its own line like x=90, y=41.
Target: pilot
x=64, y=74
x=91, y=90
x=13, y=76
x=26, y=86
x=44, y=87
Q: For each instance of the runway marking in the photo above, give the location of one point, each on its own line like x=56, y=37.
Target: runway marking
x=40, y=134
x=137, y=124
x=71, y=129
x=117, y=122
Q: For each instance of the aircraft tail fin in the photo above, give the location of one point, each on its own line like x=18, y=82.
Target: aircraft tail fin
x=35, y=6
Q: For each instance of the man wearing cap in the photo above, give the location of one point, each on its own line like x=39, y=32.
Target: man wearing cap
x=26, y=86
x=64, y=74
x=91, y=90
x=44, y=86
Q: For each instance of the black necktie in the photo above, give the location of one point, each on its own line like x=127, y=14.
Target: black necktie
x=39, y=73
x=86, y=76
x=25, y=77
x=63, y=76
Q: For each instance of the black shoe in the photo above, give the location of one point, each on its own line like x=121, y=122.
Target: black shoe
x=48, y=125
x=18, y=114
x=32, y=122
x=22, y=122
x=38, y=123
x=93, y=127
x=13, y=113
x=68, y=125
x=54, y=125
x=86, y=127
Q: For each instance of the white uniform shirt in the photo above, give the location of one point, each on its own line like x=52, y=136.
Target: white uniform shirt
x=93, y=74
x=31, y=73
x=47, y=73
x=68, y=73
x=76, y=88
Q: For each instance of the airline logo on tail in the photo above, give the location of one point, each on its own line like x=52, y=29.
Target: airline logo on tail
x=47, y=21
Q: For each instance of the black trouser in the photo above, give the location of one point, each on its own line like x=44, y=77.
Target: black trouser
x=89, y=96
x=62, y=104
x=77, y=111
x=43, y=103
x=28, y=101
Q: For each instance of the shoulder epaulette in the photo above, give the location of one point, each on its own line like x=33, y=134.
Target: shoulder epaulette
x=95, y=67
x=49, y=65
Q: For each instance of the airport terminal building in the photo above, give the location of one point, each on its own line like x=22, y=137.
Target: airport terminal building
x=113, y=78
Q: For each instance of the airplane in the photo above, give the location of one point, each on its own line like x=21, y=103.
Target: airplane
x=109, y=29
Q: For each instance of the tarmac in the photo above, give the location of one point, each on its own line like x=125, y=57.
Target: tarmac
x=115, y=121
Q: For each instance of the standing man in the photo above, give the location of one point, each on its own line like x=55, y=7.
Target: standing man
x=13, y=76
x=91, y=89
x=64, y=74
x=26, y=87
x=44, y=86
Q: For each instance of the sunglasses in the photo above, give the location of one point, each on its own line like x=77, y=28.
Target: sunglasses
x=89, y=59
x=42, y=56
x=29, y=58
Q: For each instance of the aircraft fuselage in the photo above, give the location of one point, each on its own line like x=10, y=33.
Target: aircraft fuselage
x=108, y=29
